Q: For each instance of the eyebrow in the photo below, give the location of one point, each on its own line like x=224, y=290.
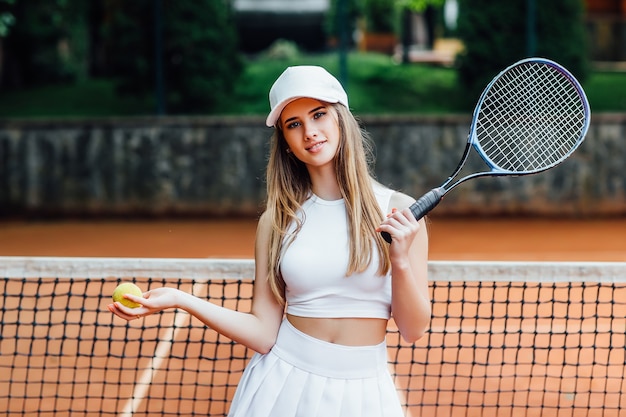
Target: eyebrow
x=310, y=111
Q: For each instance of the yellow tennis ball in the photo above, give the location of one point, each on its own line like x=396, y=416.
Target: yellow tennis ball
x=127, y=288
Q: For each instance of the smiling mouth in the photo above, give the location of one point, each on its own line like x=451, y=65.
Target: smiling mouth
x=316, y=146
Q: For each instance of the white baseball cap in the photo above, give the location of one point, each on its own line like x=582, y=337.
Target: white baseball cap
x=303, y=81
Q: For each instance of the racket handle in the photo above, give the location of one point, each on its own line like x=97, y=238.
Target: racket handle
x=421, y=207
x=427, y=202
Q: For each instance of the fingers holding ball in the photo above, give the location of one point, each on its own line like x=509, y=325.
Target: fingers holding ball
x=127, y=288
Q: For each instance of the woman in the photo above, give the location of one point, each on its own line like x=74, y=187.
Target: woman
x=326, y=283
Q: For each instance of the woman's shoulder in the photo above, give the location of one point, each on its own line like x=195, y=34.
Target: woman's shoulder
x=265, y=220
x=396, y=199
x=400, y=200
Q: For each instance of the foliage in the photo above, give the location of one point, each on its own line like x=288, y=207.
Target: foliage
x=605, y=91
x=495, y=35
x=421, y=5
x=6, y=18
x=200, y=61
x=334, y=23
x=40, y=46
x=282, y=49
x=376, y=85
x=380, y=15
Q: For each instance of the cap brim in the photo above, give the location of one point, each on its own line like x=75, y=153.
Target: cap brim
x=273, y=116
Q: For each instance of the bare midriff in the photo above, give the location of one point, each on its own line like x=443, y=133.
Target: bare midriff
x=342, y=331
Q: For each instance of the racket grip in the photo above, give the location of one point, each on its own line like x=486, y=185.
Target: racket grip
x=427, y=202
x=421, y=207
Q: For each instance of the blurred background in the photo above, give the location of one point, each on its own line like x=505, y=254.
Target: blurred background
x=131, y=125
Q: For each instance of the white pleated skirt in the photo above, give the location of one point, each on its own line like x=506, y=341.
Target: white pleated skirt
x=306, y=377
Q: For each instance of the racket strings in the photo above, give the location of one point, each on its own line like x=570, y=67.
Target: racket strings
x=531, y=118
x=529, y=127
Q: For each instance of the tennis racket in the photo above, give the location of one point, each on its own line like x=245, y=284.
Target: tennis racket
x=530, y=118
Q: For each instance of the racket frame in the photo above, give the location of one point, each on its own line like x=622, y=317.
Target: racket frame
x=472, y=140
x=432, y=198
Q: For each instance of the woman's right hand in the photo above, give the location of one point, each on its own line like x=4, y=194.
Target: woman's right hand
x=151, y=302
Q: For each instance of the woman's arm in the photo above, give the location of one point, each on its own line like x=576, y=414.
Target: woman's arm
x=408, y=252
x=256, y=329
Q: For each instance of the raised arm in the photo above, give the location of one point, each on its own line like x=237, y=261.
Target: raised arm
x=410, y=303
x=256, y=329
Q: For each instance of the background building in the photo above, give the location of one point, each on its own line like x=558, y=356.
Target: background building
x=606, y=23
x=261, y=22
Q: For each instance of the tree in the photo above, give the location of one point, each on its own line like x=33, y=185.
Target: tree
x=495, y=35
x=44, y=41
x=6, y=18
x=199, y=52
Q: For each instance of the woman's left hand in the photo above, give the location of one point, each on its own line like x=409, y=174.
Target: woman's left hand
x=402, y=227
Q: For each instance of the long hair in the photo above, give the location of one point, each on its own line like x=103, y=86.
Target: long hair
x=289, y=185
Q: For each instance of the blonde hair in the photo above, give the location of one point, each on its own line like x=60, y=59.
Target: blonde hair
x=289, y=185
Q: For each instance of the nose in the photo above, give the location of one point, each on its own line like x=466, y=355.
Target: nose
x=310, y=131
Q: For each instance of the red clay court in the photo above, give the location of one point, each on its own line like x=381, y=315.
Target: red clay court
x=495, y=348
x=450, y=239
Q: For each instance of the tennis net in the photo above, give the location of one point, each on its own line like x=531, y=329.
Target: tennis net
x=506, y=339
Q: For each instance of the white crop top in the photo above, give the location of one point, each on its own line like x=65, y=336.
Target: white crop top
x=314, y=266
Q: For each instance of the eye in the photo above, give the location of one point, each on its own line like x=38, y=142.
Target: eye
x=293, y=125
x=319, y=114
